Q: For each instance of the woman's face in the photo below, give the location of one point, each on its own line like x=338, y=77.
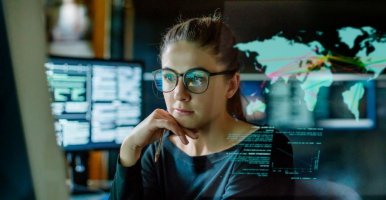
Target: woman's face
x=194, y=110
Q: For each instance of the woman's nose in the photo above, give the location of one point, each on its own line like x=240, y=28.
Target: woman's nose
x=180, y=92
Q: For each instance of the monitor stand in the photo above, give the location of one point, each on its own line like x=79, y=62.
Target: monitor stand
x=78, y=162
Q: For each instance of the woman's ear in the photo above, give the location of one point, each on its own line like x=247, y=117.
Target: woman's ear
x=233, y=85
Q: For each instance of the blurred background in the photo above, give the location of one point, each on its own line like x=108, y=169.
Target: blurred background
x=312, y=69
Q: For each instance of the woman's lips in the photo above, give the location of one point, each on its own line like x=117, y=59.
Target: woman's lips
x=183, y=112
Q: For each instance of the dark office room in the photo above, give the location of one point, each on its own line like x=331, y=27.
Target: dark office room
x=192, y=99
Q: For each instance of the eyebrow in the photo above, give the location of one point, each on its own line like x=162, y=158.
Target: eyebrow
x=198, y=67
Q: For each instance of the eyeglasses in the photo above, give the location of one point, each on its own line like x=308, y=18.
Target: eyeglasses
x=195, y=80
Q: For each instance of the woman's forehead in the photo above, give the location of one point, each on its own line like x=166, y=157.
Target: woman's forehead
x=182, y=56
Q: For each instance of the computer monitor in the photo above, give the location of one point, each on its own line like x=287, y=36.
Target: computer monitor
x=95, y=102
x=32, y=165
x=334, y=111
x=283, y=104
x=253, y=101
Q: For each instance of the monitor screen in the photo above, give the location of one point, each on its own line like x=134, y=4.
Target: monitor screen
x=96, y=103
x=348, y=104
x=253, y=100
x=284, y=105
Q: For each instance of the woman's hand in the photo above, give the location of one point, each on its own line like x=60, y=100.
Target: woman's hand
x=149, y=130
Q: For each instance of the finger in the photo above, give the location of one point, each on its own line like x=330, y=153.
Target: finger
x=174, y=127
x=157, y=135
x=189, y=132
x=160, y=118
x=192, y=133
x=185, y=131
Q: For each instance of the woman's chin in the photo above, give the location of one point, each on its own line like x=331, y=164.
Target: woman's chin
x=187, y=123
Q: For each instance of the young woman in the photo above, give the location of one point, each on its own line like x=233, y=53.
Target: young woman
x=208, y=150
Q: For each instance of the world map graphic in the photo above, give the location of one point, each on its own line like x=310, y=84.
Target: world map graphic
x=314, y=65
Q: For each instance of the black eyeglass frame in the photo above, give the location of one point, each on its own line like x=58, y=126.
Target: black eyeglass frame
x=183, y=75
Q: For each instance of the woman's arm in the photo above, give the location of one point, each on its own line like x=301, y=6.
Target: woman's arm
x=135, y=178
x=139, y=181
x=127, y=183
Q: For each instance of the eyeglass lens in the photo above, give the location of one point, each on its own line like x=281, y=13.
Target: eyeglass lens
x=196, y=81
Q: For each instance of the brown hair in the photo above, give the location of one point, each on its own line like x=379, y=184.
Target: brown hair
x=214, y=35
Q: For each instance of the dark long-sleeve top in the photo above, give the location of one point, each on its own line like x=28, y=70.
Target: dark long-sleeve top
x=255, y=168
